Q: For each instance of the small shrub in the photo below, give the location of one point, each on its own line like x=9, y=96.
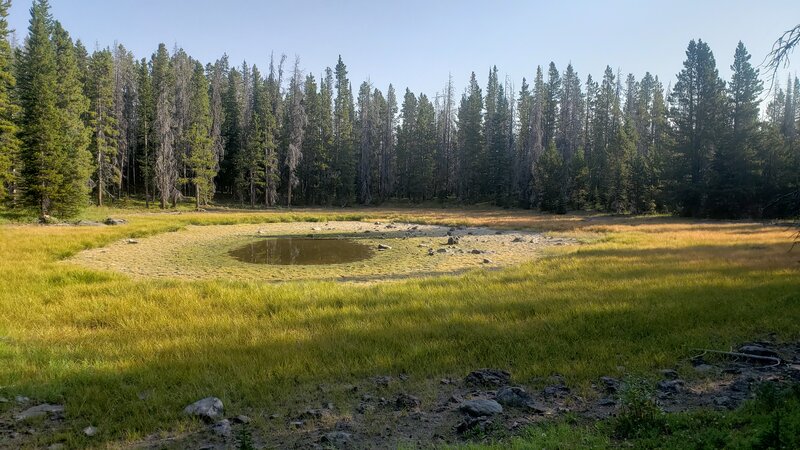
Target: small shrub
x=640, y=414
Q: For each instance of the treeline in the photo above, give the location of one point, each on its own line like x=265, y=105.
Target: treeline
x=76, y=128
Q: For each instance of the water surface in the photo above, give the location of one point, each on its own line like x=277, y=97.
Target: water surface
x=302, y=251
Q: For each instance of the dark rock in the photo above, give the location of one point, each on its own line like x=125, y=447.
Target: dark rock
x=480, y=407
x=606, y=402
x=610, y=384
x=441, y=250
x=704, y=368
x=480, y=424
x=384, y=247
x=488, y=377
x=476, y=251
x=338, y=439
x=222, y=428
x=382, y=380
x=453, y=240
x=518, y=239
x=669, y=374
x=513, y=396
x=724, y=401
x=39, y=411
x=208, y=408
x=113, y=221
x=241, y=419
x=758, y=350
x=88, y=223
x=487, y=261
x=406, y=401
x=670, y=386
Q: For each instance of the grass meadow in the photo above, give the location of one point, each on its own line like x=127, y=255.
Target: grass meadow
x=636, y=296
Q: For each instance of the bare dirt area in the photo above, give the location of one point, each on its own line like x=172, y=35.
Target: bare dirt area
x=400, y=250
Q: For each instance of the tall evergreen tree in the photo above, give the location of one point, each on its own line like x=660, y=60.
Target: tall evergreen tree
x=470, y=142
x=9, y=142
x=343, y=158
x=145, y=113
x=166, y=161
x=201, y=160
x=295, y=130
x=698, y=111
x=103, y=123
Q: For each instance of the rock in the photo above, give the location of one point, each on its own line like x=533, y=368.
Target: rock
x=384, y=247
x=431, y=252
x=723, y=401
x=88, y=223
x=338, y=439
x=487, y=261
x=297, y=424
x=475, y=251
x=758, y=350
x=441, y=250
x=704, y=368
x=382, y=380
x=480, y=424
x=39, y=411
x=3, y=400
x=90, y=431
x=453, y=240
x=670, y=386
x=406, y=401
x=241, y=419
x=56, y=446
x=488, y=377
x=513, y=396
x=669, y=374
x=610, y=384
x=481, y=407
x=21, y=399
x=222, y=428
x=498, y=232
x=131, y=241
x=114, y=221
x=606, y=402
x=518, y=239
x=208, y=408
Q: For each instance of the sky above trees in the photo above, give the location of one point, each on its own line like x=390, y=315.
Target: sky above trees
x=417, y=43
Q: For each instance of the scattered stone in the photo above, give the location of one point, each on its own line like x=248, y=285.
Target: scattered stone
x=611, y=385
x=382, y=381
x=39, y=411
x=441, y=250
x=758, y=350
x=338, y=439
x=669, y=374
x=88, y=223
x=453, y=240
x=480, y=424
x=723, y=401
x=704, y=368
x=513, y=396
x=384, y=247
x=475, y=251
x=431, y=252
x=56, y=446
x=208, y=408
x=498, y=232
x=113, y=221
x=297, y=424
x=21, y=399
x=481, y=407
x=518, y=239
x=670, y=386
x=406, y=401
x=222, y=428
x=131, y=241
x=241, y=419
x=487, y=261
x=90, y=431
x=488, y=377
x=607, y=402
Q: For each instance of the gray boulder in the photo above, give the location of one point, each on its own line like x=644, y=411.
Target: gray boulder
x=39, y=411
x=208, y=408
x=481, y=407
x=513, y=396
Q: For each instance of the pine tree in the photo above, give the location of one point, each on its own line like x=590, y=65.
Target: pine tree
x=296, y=123
x=537, y=135
x=365, y=125
x=423, y=151
x=549, y=176
x=471, y=143
x=103, y=123
x=9, y=142
x=125, y=100
x=201, y=159
x=406, y=135
x=145, y=113
x=733, y=181
x=699, y=115
x=166, y=161
x=343, y=158
x=387, y=155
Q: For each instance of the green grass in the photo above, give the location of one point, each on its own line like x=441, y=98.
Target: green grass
x=637, y=299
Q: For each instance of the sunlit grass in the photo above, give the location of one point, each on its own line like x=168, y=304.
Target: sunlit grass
x=637, y=298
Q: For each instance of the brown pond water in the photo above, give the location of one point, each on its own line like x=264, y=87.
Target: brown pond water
x=302, y=251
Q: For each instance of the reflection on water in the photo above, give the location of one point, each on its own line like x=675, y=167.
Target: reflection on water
x=302, y=251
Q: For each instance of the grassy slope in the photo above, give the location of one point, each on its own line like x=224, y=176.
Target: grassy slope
x=638, y=299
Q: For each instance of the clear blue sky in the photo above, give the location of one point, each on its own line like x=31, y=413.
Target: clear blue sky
x=415, y=44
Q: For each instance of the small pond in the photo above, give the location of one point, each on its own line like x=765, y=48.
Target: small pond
x=302, y=251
